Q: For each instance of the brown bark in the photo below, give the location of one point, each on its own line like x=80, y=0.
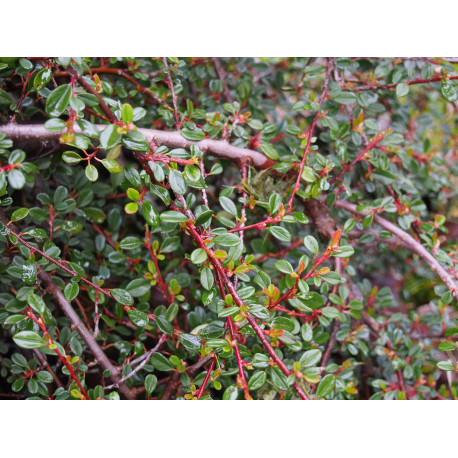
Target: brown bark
x=88, y=338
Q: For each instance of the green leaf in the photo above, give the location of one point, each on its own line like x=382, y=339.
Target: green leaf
x=446, y=366
x=344, y=252
x=91, y=172
x=206, y=278
x=122, y=296
x=90, y=100
x=345, y=98
x=173, y=217
x=37, y=303
x=204, y=217
x=127, y=113
x=313, y=300
x=282, y=322
x=257, y=380
x=211, y=331
x=228, y=311
x=135, y=145
x=330, y=312
x=177, y=182
x=133, y=194
x=130, y=243
x=150, y=214
x=164, y=325
x=449, y=92
x=71, y=290
x=270, y=151
x=58, y=100
x=3, y=229
x=16, y=157
x=42, y=79
x=29, y=273
x=161, y=363
x=2, y=184
x=139, y=113
x=18, y=384
x=44, y=376
x=274, y=203
x=72, y=226
x=231, y=393
x=198, y=256
x=284, y=266
x=170, y=244
x=308, y=174
x=157, y=171
x=114, y=152
x=310, y=358
x=227, y=239
x=77, y=269
x=280, y=233
x=172, y=312
x=343, y=62
x=192, y=133
x=138, y=287
x=71, y=157
x=150, y=383
x=216, y=169
x=326, y=386
x=109, y=137
x=55, y=125
x=19, y=214
x=278, y=378
x=402, y=89
x=447, y=346
x=216, y=343
x=25, y=64
x=133, y=177
x=190, y=342
x=16, y=179
x=140, y=319
x=28, y=339
x=311, y=244
x=131, y=208
x=111, y=165
x=228, y=205
x=192, y=172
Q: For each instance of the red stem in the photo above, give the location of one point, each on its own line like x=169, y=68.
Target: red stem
x=107, y=239
x=204, y=384
x=360, y=155
x=393, y=85
x=309, y=274
x=281, y=253
x=59, y=264
x=234, y=340
x=23, y=95
x=160, y=280
x=174, y=97
x=59, y=354
x=219, y=268
x=307, y=148
x=260, y=226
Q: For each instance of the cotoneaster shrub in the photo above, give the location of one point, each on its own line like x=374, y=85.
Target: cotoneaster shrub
x=205, y=228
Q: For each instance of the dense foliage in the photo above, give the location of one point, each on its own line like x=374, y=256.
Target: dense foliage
x=235, y=228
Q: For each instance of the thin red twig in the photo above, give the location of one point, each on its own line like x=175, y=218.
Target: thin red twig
x=309, y=142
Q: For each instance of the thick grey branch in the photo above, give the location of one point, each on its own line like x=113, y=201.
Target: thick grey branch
x=100, y=356
x=145, y=359
x=218, y=148
x=410, y=243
